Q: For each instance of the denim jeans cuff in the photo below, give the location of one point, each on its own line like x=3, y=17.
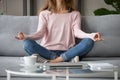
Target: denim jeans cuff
x=63, y=57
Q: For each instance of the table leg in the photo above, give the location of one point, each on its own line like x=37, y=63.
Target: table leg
x=67, y=74
x=115, y=75
x=53, y=77
x=8, y=76
x=67, y=77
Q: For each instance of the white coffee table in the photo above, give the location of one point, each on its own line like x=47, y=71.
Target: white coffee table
x=60, y=70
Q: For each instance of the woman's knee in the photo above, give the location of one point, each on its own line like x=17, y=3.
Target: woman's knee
x=28, y=43
x=88, y=41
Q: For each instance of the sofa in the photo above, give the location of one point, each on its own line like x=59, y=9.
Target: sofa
x=105, y=51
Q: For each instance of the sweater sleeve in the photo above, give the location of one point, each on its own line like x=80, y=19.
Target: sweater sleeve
x=41, y=30
x=77, y=28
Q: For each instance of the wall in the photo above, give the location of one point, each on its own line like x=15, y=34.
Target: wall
x=15, y=7
x=2, y=6
x=88, y=6
x=37, y=5
x=12, y=7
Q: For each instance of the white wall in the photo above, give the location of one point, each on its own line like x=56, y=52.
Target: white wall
x=88, y=6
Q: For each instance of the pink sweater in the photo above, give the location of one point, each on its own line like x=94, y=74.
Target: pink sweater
x=58, y=31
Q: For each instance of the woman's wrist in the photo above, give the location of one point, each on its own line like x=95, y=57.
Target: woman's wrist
x=26, y=36
x=91, y=36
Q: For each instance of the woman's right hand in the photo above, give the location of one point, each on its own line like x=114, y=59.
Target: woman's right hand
x=98, y=37
x=20, y=36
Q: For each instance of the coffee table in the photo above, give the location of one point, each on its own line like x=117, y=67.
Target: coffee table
x=63, y=70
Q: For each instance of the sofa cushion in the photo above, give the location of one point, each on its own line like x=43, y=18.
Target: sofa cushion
x=9, y=27
x=109, y=27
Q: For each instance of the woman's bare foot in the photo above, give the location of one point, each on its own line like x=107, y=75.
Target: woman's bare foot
x=58, y=59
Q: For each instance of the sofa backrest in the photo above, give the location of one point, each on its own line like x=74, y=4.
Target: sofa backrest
x=9, y=27
x=108, y=26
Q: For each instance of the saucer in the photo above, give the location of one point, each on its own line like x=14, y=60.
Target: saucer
x=30, y=66
x=30, y=70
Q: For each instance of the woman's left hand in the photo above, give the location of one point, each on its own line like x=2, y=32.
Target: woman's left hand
x=97, y=37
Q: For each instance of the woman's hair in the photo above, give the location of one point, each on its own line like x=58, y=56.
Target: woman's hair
x=51, y=5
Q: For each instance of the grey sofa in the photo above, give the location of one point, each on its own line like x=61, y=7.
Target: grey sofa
x=105, y=51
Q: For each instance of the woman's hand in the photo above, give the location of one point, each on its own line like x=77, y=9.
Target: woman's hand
x=20, y=36
x=97, y=37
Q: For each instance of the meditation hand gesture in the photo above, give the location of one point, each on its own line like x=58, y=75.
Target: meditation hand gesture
x=20, y=36
x=97, y=37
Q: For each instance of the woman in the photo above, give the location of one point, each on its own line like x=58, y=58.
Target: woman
x=59, y=24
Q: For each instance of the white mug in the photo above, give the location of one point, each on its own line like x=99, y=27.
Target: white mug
x=30, y=60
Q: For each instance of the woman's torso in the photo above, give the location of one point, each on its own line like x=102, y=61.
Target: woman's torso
x=60, y=34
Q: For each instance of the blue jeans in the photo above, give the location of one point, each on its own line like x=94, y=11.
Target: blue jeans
x=81, y=49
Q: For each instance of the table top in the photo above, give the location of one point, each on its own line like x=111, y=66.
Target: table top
x=59, y=69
